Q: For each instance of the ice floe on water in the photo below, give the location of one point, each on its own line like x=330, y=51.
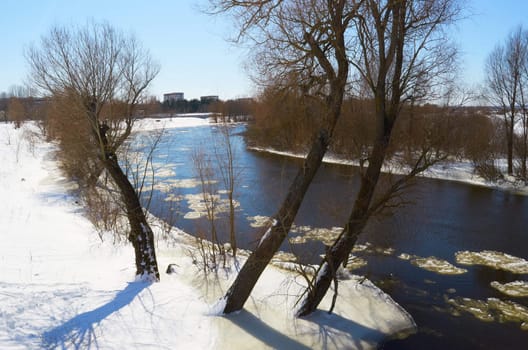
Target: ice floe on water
x=492, y=309
x=163, y=187
x=368, y=248
x=362, y=247
x=258, y=221
x=171, y=197
x=165, y=171
x=194, y=215
x=385, y=251
x=404, y=256
x=302, y=234
x=199, y=205
x=284, y=256
x=478, y=308
x=188, y=183
x=432, y=264
x=167, y=185
x=513, y=289
x=437, y=265
x=308, y=233
x=355, y=262
x=494, y=259
x=328, y=237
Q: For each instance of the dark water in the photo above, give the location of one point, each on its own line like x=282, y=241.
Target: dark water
x=442, y=218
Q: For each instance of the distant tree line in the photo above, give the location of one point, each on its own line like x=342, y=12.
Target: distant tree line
x=232, y=107
x=18, y=109
x=286, y=121
x=506, y=88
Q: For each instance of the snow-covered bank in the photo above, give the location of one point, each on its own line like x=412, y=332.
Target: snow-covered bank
x=459, y=171
x=148, y=124
x=61, y=287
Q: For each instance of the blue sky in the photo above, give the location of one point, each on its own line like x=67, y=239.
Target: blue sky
x=191, y=47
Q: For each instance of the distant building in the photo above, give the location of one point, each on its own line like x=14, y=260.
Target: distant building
x=173, y=97
x=245, y=99
x=211, y=98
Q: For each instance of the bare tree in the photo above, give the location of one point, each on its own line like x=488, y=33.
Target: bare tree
x=400, y=50
x=104, y=74
x=225, y=155
x=397, y=52
x=505, y=67
x=301, y=44
x=20, y=91
x=16, y=111
x=204, y=171
x=522, y=144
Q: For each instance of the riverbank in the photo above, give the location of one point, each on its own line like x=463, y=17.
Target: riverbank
x=63, y=287
x=413, y=255
x=451, y=170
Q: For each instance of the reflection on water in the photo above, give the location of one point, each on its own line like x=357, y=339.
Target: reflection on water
x=410, y=253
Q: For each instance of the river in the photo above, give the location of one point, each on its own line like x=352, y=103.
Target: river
x=452, y=311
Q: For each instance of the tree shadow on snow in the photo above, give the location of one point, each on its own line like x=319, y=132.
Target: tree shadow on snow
x=60, y=198
x=332, y=331
x=79, y=332
x=332, y=327
x=260, y=330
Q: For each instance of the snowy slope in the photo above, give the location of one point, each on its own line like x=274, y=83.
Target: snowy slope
x=62, y=287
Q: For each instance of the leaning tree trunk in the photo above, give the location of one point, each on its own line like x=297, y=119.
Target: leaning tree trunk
x=338, y=253
x=141, y=235
x=246, y=279
x=282, y=221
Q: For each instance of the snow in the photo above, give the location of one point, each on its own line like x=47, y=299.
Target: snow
x=181, y=121
x=64, y=287
x=265, y=236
